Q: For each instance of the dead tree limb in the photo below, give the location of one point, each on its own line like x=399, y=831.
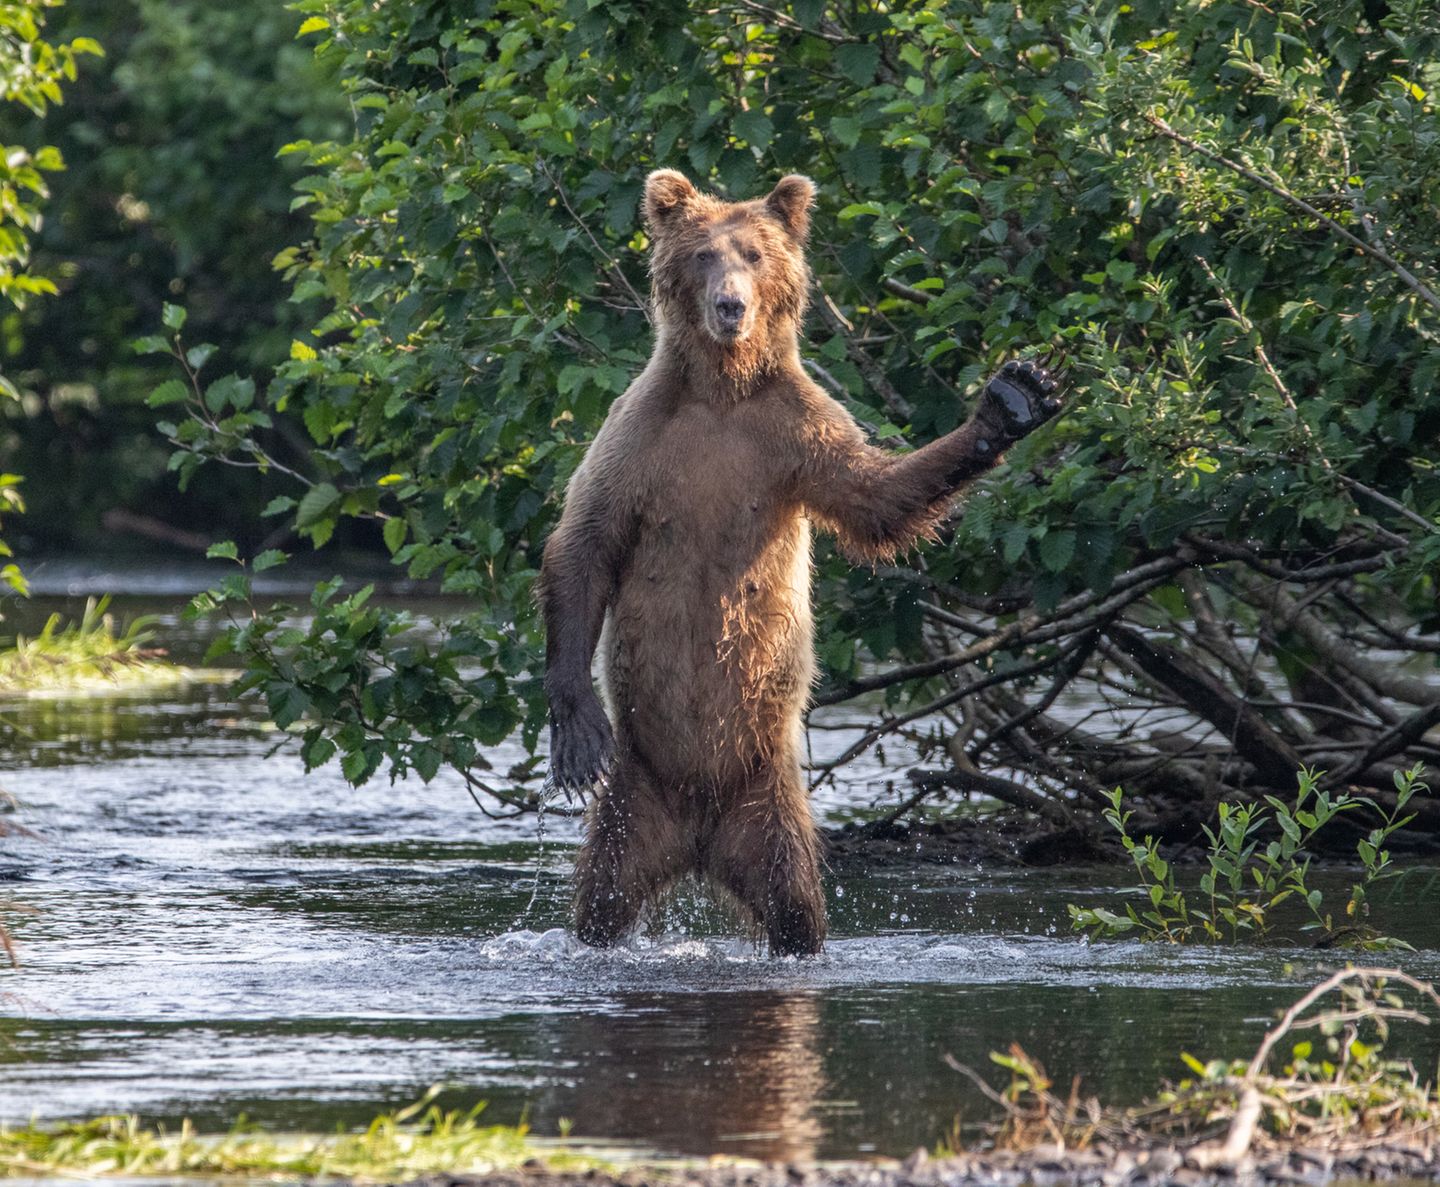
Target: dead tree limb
x=1274, y=758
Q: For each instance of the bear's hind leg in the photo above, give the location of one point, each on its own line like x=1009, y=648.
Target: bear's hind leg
x=766, y=852
x=632, y=851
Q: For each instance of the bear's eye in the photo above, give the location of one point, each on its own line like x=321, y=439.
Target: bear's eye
x=753, y=256
x=704, y=256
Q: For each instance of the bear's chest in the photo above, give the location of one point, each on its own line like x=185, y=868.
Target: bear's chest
x=713, y=475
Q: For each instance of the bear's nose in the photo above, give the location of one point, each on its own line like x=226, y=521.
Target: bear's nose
x=730, y=309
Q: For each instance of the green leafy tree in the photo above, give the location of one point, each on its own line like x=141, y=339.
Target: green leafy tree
x=174, y=191
x=1222, y=211
x=32, y=70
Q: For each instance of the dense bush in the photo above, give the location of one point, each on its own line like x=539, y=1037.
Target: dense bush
x=1221, y=210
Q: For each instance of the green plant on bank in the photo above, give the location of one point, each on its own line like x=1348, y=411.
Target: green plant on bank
x=12, y=502
x=86, y=652
x=417, y=1140
x=1248, y=877
x=1340, y=1089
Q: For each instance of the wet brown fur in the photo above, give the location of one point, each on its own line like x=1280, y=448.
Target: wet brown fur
x=686, y=533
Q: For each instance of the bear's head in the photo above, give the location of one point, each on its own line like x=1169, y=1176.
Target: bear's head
x=729, y=278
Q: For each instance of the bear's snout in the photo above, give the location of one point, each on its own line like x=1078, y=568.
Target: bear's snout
x=730, y=310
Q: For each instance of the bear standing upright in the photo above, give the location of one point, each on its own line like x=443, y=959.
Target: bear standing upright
x=685, y=541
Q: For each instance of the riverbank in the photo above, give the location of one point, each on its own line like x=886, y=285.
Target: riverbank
x=1043, y=1166
x=552, y=1164
x=994, y=838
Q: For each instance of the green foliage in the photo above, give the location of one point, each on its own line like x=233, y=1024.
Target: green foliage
x=173, y=193
x=1172, y=190
x=362, y=681
x=31, y=71
x=1247, y=877
x=1342, y=1086
x=407, y=1143
x=11, y=503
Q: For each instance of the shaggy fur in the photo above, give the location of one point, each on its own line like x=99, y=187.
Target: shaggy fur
x=686, y=533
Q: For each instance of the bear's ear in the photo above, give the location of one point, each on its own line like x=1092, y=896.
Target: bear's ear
x=667, y=193
x=790, y=202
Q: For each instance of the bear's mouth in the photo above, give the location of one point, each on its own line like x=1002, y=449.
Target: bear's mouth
x=727, y=333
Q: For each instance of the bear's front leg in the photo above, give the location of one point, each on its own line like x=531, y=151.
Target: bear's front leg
x=582, y=744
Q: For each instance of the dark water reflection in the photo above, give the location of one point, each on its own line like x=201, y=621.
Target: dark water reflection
x=217, y=934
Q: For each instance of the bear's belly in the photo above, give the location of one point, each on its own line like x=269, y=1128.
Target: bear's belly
x=708, y=665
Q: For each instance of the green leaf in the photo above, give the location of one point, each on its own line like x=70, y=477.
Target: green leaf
x=426, y=760
x=150, y=344
x=1016, y=537
x=394, y=533
x=269, y=559
x=317, y=752
x=856, y=209
x=225, y=550
x=172, y=391
x=753, y=127
x=316, y=504
x=358, y=766
x=230, y=391
x=312, y=24
x=858, y=62
x=846, y=130
x=1057, y=549
x=173, y=316
x=287, y=703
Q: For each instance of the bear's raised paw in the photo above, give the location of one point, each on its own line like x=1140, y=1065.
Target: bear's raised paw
x=1021, y=397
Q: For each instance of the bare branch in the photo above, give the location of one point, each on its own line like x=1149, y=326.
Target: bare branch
x=1007, y=791
x=901, y=289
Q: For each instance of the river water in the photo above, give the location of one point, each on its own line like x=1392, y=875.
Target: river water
x=216, y=934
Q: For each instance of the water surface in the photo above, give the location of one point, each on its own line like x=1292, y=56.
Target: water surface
x=217, y=934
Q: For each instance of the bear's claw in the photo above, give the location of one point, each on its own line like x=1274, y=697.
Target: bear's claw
x=582, y=752
x=1021, y=397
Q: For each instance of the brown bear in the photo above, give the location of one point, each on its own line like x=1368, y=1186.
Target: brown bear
x=685, y=542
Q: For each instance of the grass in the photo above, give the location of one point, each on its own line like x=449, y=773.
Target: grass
x=85, y=654
x=414, y=1141
x=1321, y=1079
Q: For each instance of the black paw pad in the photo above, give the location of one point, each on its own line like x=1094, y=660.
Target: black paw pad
x=1021, y=397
